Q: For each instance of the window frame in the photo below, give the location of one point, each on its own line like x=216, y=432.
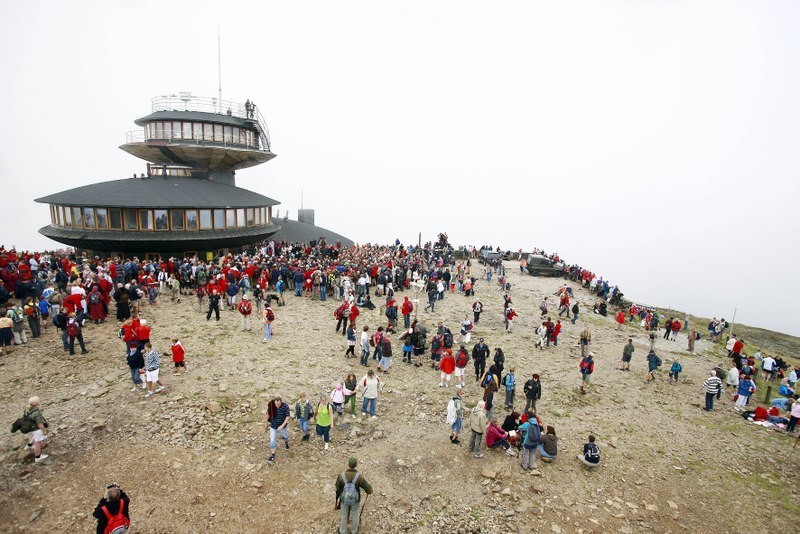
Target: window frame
x=200, y=214
x=186, y=217
x=97, y=218
x=172, y=213
x=149, y=213
x=110, y=218
x=166, y=220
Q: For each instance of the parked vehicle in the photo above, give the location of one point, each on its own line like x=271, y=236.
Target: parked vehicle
x=543, y=266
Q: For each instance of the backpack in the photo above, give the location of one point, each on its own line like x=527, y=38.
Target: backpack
x=72, y=329
x=117, y=524
x=585, y=367
x=270, y=315
x=30, y=311
x=435, y=344
x=461, y=360
x=94, y=298
x=26, y=423
x=350, y=495
x=16, y=316
x=487, y=380
x=247, y=308
x=593, y=451
x=448, y=340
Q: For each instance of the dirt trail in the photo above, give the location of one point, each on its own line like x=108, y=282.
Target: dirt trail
x=193, y=458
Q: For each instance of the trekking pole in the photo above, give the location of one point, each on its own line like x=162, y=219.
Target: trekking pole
x=361, y=515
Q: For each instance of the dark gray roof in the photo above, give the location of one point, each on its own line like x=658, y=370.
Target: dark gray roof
x=198, y=116
x=159, y=192
x=294, y=231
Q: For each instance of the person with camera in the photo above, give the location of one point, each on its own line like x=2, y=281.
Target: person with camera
x=113, y=511
x=348, y=496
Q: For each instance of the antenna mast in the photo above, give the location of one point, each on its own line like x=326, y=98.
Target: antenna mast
x=219, y=68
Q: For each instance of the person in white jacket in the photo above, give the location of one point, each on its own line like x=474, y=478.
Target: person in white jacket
x=455, y=416
x=371, y=385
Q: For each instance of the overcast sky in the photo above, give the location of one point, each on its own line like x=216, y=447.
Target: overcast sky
x=654, y=142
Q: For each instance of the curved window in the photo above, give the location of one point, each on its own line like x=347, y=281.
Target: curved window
x=176, y=217
x=161, y=219
x=130, y=220
x=240, y=218
x=205, y=219
x=145, y=219
x=219, y=219
x=251, y=218
x=191, y=220
x=115, y=218
x=88, y=218
x=230, y=218
x=67, y=217
x=187, y=130
x=101, y=218
x=77, y=217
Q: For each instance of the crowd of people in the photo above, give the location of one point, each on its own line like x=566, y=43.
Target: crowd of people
x=72, y=293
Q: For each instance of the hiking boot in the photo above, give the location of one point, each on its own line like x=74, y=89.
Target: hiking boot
x=456, y=441
x=41, y=458
x=305, y=437
x=159, y=389
x=271, y=458
x=479, y=455
x=148, y=394
x=286, y=445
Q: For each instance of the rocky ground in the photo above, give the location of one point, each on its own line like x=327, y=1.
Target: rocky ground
x=193, y=458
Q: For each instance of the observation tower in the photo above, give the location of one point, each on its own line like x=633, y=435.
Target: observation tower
x=187, y=202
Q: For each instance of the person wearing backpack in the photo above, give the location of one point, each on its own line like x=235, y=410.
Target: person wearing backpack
x=245, y=308
x=113, y=511
x=31, y=311
x=74, y=332
x=455, y=416
x=477, y=308
x=267, y=318
x=586, y=368
x=18, y=329
x=675, y=371
x=348, y=496
x=462, y=359
x=510, y=383
x=591, y=453
x=531, y=441
x=34, y=421
x=653, y=363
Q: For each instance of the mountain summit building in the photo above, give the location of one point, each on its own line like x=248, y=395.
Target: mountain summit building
x=187, y=203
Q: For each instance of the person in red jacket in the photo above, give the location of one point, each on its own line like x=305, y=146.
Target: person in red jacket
x=245, y=310
x=620, y=319
x=676, y=327
x=178, y=356
x=510, y=314
x=446, y=366
x=497, y=437
x=406, y=310
x=354, y=311
x=143, y=333
x=555, y=333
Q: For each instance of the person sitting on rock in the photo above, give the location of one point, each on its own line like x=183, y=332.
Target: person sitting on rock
x=591, y=453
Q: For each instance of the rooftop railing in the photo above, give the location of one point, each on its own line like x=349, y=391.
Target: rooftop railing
x=185, y=101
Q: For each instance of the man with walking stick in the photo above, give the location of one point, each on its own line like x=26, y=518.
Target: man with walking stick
x=348, y=496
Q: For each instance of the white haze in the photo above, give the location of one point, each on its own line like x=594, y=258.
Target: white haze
x=654, y=142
